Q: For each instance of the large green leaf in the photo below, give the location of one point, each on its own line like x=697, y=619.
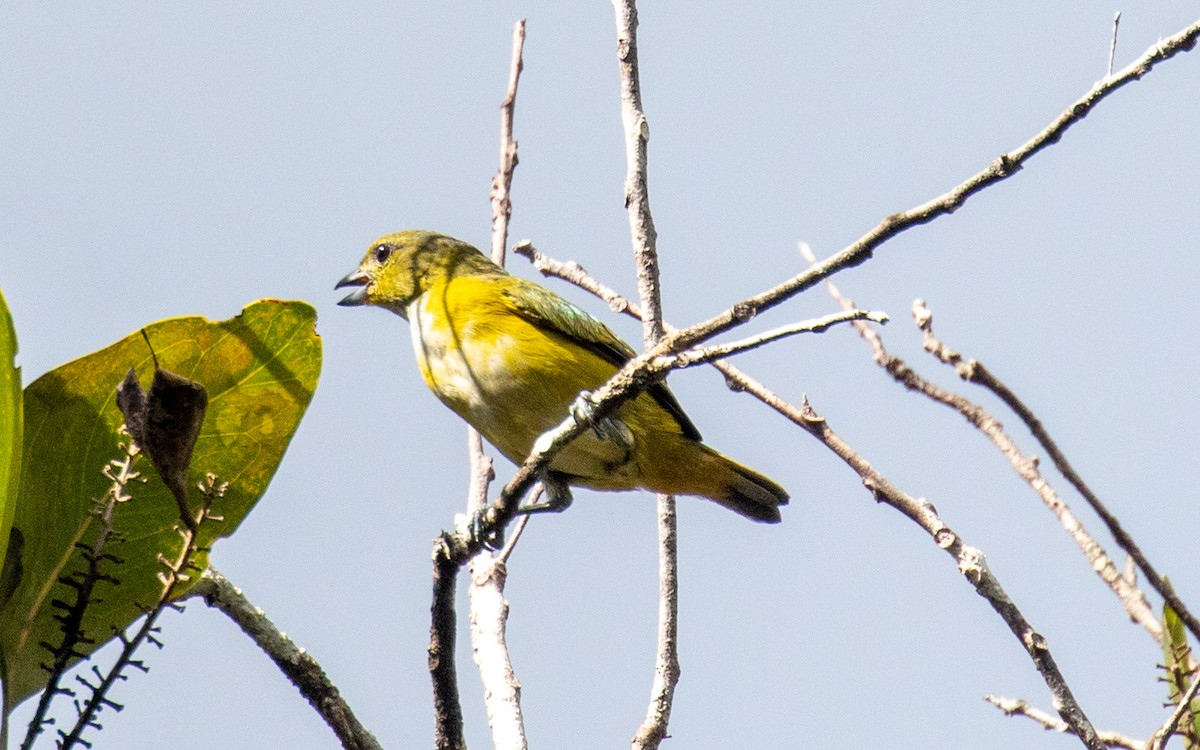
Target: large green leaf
x=10, y=429
x=260, y=370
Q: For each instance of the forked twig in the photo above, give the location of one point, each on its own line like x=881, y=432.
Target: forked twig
x=1134, y=601
x=642, y=371
x=1162, y=735
x=973, y=371
x=1016, y=707
x=970, y=560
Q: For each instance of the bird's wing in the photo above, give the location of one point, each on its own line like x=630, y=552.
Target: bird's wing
x=548, y=311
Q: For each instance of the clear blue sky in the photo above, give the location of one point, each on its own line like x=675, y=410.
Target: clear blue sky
x=189, y=158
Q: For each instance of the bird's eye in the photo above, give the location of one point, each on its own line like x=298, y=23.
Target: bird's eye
x=383, y=252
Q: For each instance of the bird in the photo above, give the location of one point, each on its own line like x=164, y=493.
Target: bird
x=513, y=359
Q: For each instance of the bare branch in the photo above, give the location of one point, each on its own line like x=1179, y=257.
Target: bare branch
x=705, y=355
x=514, y=537
x=576, y=274
x=1112, y=47
x=641, y=371
x=971, y=564
x=999, y=170
x=653, y=729
x=1161, y=735
x=489, y=615
x=299, y=665
x=487, y=609
x=447, y=710
x=637, y=197
x=481, y=472
x=970, y=560
x=502, y=182
x=1016, y=707
x=641, y=229
x=1133, y=599
x=973, y=371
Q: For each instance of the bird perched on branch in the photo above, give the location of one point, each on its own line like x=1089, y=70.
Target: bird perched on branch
x=512, y=358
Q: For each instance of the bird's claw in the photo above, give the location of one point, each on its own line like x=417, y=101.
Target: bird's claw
x=482, y=534
x=583, y=410
x=557, y=495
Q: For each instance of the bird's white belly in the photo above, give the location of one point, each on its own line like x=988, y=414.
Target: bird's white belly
x=462, y=373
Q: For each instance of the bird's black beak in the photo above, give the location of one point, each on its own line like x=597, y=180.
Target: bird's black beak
x=359, y=296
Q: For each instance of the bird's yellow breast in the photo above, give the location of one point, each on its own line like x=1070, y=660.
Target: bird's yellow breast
x=463, y=351
x=506, y=376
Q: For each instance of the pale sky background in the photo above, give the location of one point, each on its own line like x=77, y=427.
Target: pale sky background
x=165, y=159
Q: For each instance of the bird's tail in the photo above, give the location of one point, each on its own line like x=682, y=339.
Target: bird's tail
x=739, y=488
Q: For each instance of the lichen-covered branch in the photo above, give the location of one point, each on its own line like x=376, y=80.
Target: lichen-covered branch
x=489, y=616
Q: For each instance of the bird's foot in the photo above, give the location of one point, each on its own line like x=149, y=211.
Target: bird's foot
x=556, y=493
x=583, y=409
x=482, y=533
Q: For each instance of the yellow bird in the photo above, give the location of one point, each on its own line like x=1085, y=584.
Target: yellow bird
x=511, y=358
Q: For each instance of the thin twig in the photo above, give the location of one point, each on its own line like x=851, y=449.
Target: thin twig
x=1017, y=707
x=174, y=573
x=970, y=560
x=502, y=182
x=971, y=564
x=576, y=274
x=296, y=663
x=999, y=170
x=487, y=609
x=1112, y=47
x=653, y=729
x=641, y=371
x=1159, y=739
x=503, y=555
x=120, y=472
x=705, y=355
x=973, y=371
x=643, y=235
x=1133, y=599
x=637, y=195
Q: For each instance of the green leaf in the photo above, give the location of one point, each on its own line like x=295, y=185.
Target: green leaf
x=1177, y=660
x=10, y=434
x=260, y=370
x=1175, y=649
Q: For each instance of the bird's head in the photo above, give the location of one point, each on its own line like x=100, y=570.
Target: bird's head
x=399, y=267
